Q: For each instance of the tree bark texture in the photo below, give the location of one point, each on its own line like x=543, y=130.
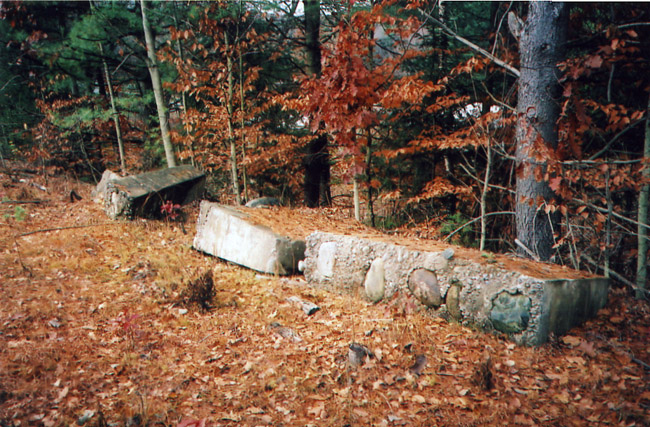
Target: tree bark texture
x=644, y=205
x=317, y=166
x=541, y=46
x=152, y=64
x=231, y=133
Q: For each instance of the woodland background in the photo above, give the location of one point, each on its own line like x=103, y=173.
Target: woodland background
x=426, y=111
x=312, y=102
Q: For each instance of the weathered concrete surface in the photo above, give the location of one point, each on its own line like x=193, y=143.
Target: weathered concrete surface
x=99, y=192
x=489, y=296
x=228, y=234
x=263, y=202
x=143, y=194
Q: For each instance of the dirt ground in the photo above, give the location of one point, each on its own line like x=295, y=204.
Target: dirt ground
x=100, y=326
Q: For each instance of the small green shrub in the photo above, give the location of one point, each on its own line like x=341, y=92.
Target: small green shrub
x=463, y=237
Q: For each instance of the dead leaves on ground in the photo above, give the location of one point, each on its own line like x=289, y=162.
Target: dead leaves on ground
x=107, y=326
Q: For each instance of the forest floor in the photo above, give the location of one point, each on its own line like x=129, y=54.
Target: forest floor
x=97, y=328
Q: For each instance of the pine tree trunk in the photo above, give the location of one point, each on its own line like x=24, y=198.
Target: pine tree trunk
x=642, y=217
x=541, y=46
x=152, y=64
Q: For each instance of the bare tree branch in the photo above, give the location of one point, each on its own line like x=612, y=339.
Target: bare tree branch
x=468, y=43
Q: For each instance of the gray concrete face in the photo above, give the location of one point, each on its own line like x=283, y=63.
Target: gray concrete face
x=99, y=192
x=226, y=233
x=144, y=194
x=528, y=309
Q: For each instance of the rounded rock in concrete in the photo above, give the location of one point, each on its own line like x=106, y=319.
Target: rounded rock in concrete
x=326, y=259
x=510, y=313
x=453, y=302
x=440, y=263
x=423, y=284
x=375, y=282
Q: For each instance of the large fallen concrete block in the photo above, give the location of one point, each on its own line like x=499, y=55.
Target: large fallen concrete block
x=487, y=295
x=144, y=194
x=230, y=235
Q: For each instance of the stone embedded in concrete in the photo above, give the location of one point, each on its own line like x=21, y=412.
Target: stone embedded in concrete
x=374, y=283
x=510, y=313
x=452, y=301
x=144, y=194
x=423, y=284
x=99, y=192
x=326, y=260
x=228, y=234
x=468, y=288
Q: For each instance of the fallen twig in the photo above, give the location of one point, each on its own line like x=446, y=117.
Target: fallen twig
x=45, y=230
x=515, y=72
x=527, y=250
x=308, y=307
x=615, y=275
x=21, y=202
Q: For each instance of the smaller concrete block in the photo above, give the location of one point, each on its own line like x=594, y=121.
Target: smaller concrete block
x=144, y=194
x=375, y=281
x=226, y=233
x=326, y=259
x=423, y=284
x=510, y=313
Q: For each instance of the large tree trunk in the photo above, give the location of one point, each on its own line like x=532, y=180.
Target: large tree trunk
x=152, y=65
x=317, y=167
x=642, y=217
x=541, y=46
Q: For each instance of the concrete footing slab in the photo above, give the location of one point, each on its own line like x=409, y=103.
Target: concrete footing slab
x=487, y=295
x=229, y=234
x=144, y=194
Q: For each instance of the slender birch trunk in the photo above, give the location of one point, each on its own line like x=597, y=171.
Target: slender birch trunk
x=114, y=113
x=486, y=188
x=642, y=217
x=231, y=132
x=152, y=65
x=357, y=201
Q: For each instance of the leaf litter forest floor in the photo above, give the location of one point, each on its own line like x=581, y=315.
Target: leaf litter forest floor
x=97, y=328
